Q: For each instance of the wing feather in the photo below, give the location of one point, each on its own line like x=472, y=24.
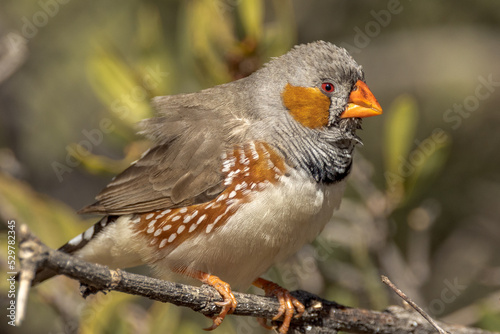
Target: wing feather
x=184, y=165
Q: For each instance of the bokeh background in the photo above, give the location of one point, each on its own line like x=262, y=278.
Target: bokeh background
x=423, y=203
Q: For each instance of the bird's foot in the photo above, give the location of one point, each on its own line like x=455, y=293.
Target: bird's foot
x=288, y=304
x=228, y=304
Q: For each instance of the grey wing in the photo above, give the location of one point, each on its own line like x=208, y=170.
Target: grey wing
x=184, y=165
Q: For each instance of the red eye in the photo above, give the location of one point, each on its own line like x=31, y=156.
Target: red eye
x=328, y=87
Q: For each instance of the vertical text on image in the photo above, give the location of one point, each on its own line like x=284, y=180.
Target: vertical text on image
x=11, y=274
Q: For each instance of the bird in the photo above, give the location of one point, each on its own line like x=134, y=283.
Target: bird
x=238, y=177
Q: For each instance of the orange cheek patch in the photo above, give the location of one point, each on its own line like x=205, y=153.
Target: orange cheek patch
x=308, y=106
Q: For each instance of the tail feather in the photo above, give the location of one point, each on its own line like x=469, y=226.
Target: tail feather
x=83, y=239
x=74, y=245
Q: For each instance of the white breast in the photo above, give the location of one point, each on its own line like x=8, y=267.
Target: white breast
x=270, y=228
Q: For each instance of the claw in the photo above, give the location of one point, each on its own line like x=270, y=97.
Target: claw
x=288, y=304
x=263, y=323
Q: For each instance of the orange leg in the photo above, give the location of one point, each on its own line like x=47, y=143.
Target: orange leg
x=288, y=303
x=228, y=304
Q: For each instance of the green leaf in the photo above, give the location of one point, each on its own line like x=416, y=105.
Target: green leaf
x=490, y=316
x=251, y=13
x=50, y=220
x=400, y=127
x=207, y=33
x=427, y=160
x=281, y=35
x=119, y=87
x=401, y=123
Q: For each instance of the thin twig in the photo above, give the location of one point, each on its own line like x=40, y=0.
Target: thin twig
x=410, y=302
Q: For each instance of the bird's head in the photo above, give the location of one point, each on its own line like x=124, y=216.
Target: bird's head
x=322, y=84
x=321, y=100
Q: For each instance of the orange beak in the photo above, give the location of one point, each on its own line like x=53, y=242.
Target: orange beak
x=362, y=103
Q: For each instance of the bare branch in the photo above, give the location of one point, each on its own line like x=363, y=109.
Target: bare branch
x=321, y=316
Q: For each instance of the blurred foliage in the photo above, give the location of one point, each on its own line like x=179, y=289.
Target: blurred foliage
x=401, y=124
x=399, y=216
x=18, y=200
x=410, y=163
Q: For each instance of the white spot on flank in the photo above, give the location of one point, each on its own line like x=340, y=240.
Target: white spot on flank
x=238, y=187
x=167, y=227
x=209, y=205
x=87, y=235
x=159, y=216
x=157, y=232
x=180, y=229
x=244, y=160
x=255, y=154
x=233, y=173
x=150, y=216
x=163, y=243
x=136, y=220
x=221, y=197
x=187, y=219
x=150, y=229
x=175, y=218
x=217, y=219
x=151, y=223
x=209, y=228
x=263, y=148
x=195, y=212
x=183, y=210
x=76, y=240
x=229, y=162
x=230, y=202
x=163, y=213
x=222, y=215
x=201, y=219
x=172, y=237
x=232, y=194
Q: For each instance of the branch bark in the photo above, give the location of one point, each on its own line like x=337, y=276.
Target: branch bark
x=321, y=316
